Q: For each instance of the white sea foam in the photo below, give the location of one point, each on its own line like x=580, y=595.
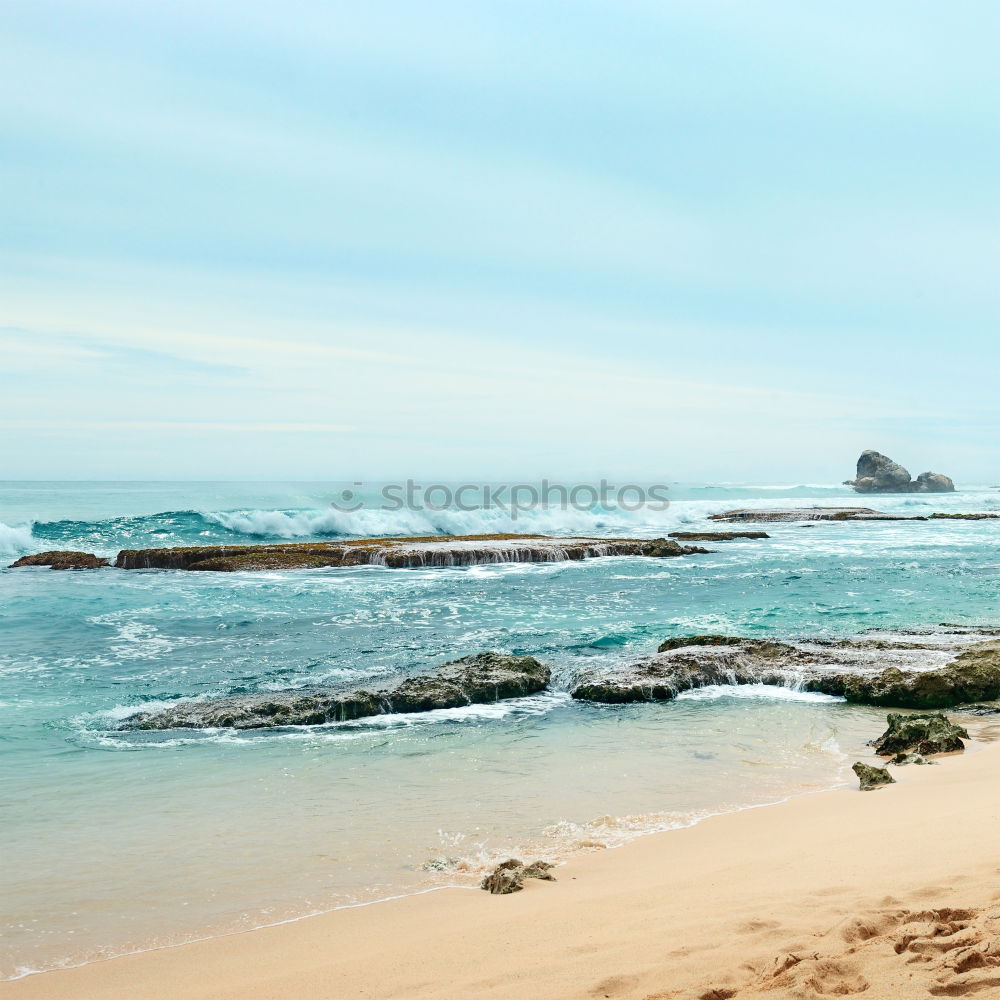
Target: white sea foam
x=16, y=539
x=755, y=692
x=374, y=523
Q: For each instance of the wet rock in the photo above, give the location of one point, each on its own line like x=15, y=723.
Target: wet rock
x=763, y=647
x=974, y=675
x=399, y=553
x=872, y=777
x=877, y=473
x=473, y=680
x=813, y=514
x=902, y=759
x=61, y=560
x=693, y=662
x=925, y=734
x=715, y=536
x=509, y=876
x=981, y=710
x=964, y=517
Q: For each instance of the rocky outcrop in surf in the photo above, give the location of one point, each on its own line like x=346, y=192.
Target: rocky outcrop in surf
x=964, y=517
x=813, y=514
x=480, y=679
x=851, y=669
x=400, y=553
x=61, y=560
x=925, y=734
x=877, y=473
x=510, y=875
x=694, y=662
x=974, y=675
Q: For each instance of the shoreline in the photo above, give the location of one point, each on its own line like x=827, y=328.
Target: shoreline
x=575, y=935
x=576, y=855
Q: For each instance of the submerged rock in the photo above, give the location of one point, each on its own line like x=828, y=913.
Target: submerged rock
x=399, y=553
x=877, y=473
x=61, y=560
x=872, y=777
x=473, y=680
x=509, y=876
x=923, y=734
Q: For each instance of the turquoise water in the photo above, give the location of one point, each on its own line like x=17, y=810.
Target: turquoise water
x=115, y=841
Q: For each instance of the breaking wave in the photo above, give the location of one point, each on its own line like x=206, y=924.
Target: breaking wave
x=15, y=540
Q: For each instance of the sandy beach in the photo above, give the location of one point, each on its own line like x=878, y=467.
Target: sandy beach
x=893, y=893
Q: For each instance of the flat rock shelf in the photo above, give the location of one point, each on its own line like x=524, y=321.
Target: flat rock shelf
x=399, y=553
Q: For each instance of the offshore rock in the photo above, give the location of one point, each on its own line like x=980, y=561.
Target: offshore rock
x=877, y=473
x=715, y=536
x=923, y=734
x=473, y=680
x=399, y=553
x=933, y=482
x=61, y=560
x=872, y=777
x=812, y=514
x=509, y=876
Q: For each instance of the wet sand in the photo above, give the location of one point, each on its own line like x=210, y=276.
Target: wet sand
x=893, y=893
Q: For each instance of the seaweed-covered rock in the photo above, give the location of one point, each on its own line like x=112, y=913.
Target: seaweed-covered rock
x=872, y=777
x=509, y=876
x=924, y=734
x=473, y=680
x=66, y=559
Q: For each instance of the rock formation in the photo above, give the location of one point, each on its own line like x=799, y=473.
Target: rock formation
x=473, y=680
x=460, y=550
x=509, y=876
x=852, y=669
x=872, y=777
x=61, y=560
x=877, y=473
x=921, y=734
x=697, y=661
x=974, y=675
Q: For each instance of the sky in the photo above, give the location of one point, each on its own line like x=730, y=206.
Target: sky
x=663, y=239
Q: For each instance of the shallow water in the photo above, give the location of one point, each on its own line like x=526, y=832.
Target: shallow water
x=118, y=840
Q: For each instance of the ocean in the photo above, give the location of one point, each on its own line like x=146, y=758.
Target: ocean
x=116, y=841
